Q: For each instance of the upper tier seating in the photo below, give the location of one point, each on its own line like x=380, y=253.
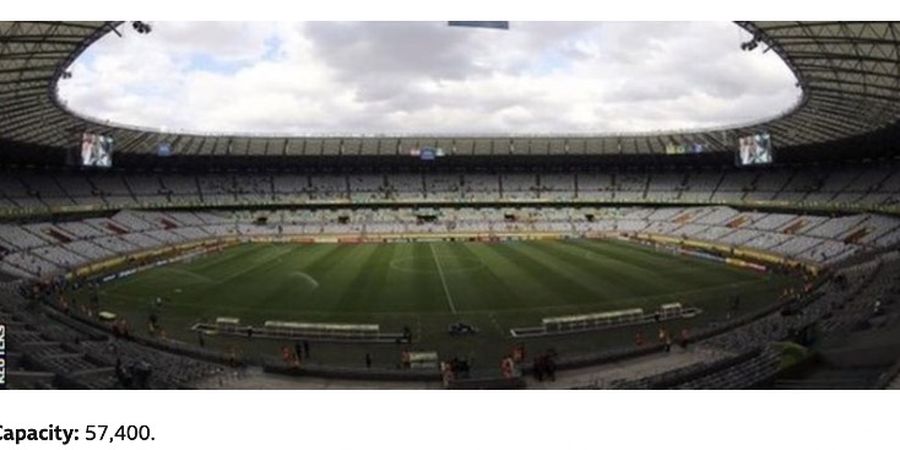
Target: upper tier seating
x=847, y=187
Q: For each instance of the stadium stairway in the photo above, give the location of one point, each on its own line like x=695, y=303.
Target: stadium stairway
x=895, y=383
x=832, y=378
x=258, y=378
x=630, y=370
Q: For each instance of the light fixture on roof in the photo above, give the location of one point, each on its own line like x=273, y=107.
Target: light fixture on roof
x=750, y=45
x=141, y=27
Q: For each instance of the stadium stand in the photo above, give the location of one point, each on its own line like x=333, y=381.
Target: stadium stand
x=33, y=249
x=53, y=351
x=830, y=204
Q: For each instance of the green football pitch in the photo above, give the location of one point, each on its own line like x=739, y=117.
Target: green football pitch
x=428, y=285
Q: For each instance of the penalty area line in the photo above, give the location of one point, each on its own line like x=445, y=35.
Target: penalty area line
x=437, y=263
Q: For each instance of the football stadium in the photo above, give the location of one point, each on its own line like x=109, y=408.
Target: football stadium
x=759, y=255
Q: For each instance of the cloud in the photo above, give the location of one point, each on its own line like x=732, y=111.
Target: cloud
x=421, y=77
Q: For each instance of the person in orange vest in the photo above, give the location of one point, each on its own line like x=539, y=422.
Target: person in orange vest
x=404, y=359
x=447, y=375
x=518, y=353
x=506, y=367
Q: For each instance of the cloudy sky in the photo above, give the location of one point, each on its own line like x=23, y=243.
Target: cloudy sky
x=383, y=77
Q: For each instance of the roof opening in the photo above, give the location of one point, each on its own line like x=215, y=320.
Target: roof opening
x=428, y=77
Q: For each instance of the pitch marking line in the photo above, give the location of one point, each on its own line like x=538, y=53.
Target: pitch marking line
x=308, y=278
x=437, y=262
x=190, y=274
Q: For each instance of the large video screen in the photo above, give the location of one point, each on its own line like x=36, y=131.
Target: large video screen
x=96, y=150
x=754, y=150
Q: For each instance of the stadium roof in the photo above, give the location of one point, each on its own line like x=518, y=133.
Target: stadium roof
x=849, y=73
